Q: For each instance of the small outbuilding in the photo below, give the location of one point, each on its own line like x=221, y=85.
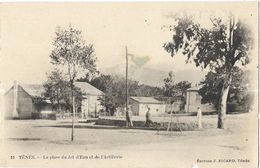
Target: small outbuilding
x=193, y=101
x=139, y=106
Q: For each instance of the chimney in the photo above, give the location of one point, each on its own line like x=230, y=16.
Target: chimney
x=15, y=113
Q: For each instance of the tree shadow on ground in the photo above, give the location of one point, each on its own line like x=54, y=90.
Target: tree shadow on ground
x=25, y=139
x=232, y=147
x=100, y=127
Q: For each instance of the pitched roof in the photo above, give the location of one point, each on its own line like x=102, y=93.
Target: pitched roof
x=196, y=88
x=35, y=90
x=88, y=89
x=147, y=100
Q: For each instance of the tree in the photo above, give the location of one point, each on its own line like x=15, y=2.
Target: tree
x=101, y=82
x=54, y=87
x=57, y=90
x=182, y=87
x=169, y=90
x=241, y=91
x=239, y=88
x=71, y=52
x=114, y=86
x=115, y=97
x=211, y=88
x=148, y=91
x=172, y=90
x=220, y=47
x=38, y=101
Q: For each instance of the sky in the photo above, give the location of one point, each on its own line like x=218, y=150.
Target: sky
x=27, y=30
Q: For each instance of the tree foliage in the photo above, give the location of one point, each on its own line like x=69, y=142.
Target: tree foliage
x=115, y=93
x=169, y=90
x=101, y=82
x=174, y=90
x=211, y=46
x=220, y=46
x=148, y=91
x=114, y=89
x=182, y=87
x=239, y=88
x=70, y=50
x=58, y=91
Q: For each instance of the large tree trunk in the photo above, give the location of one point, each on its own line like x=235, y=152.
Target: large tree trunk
x=227, y=80
x=222, y=107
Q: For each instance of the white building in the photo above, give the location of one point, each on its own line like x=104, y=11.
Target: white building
x=19, y=100
x=139, y=106
x=90, y=105
x=193, y=101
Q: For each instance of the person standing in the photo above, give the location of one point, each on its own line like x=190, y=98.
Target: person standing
x=199, y=116
x=148, y=117
x=130, y=114
x=129, y=118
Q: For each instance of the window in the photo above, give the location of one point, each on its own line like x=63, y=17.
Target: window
x=198, y=98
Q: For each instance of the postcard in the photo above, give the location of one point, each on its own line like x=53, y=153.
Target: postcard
x=129, y=84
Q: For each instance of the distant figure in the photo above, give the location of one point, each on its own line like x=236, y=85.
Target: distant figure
x=148, y=117
x=199, y=118
x=251, y=109
x=130, y=114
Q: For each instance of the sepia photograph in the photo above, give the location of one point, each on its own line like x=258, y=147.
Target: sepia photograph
x=129, y=84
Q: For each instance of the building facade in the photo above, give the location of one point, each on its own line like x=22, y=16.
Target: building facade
x=90, y=106
x=139, y=106
x=193, y=101
x=20, y=101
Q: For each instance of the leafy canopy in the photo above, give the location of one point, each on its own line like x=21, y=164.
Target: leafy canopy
x=70, y=49
x=58, y=90
x=174, y=90
x=239, y=87
x=220, y=46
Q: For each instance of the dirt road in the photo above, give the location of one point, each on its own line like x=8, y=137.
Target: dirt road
x=41, y=143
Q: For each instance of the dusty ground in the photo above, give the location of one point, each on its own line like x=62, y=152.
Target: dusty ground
x=130, y=148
